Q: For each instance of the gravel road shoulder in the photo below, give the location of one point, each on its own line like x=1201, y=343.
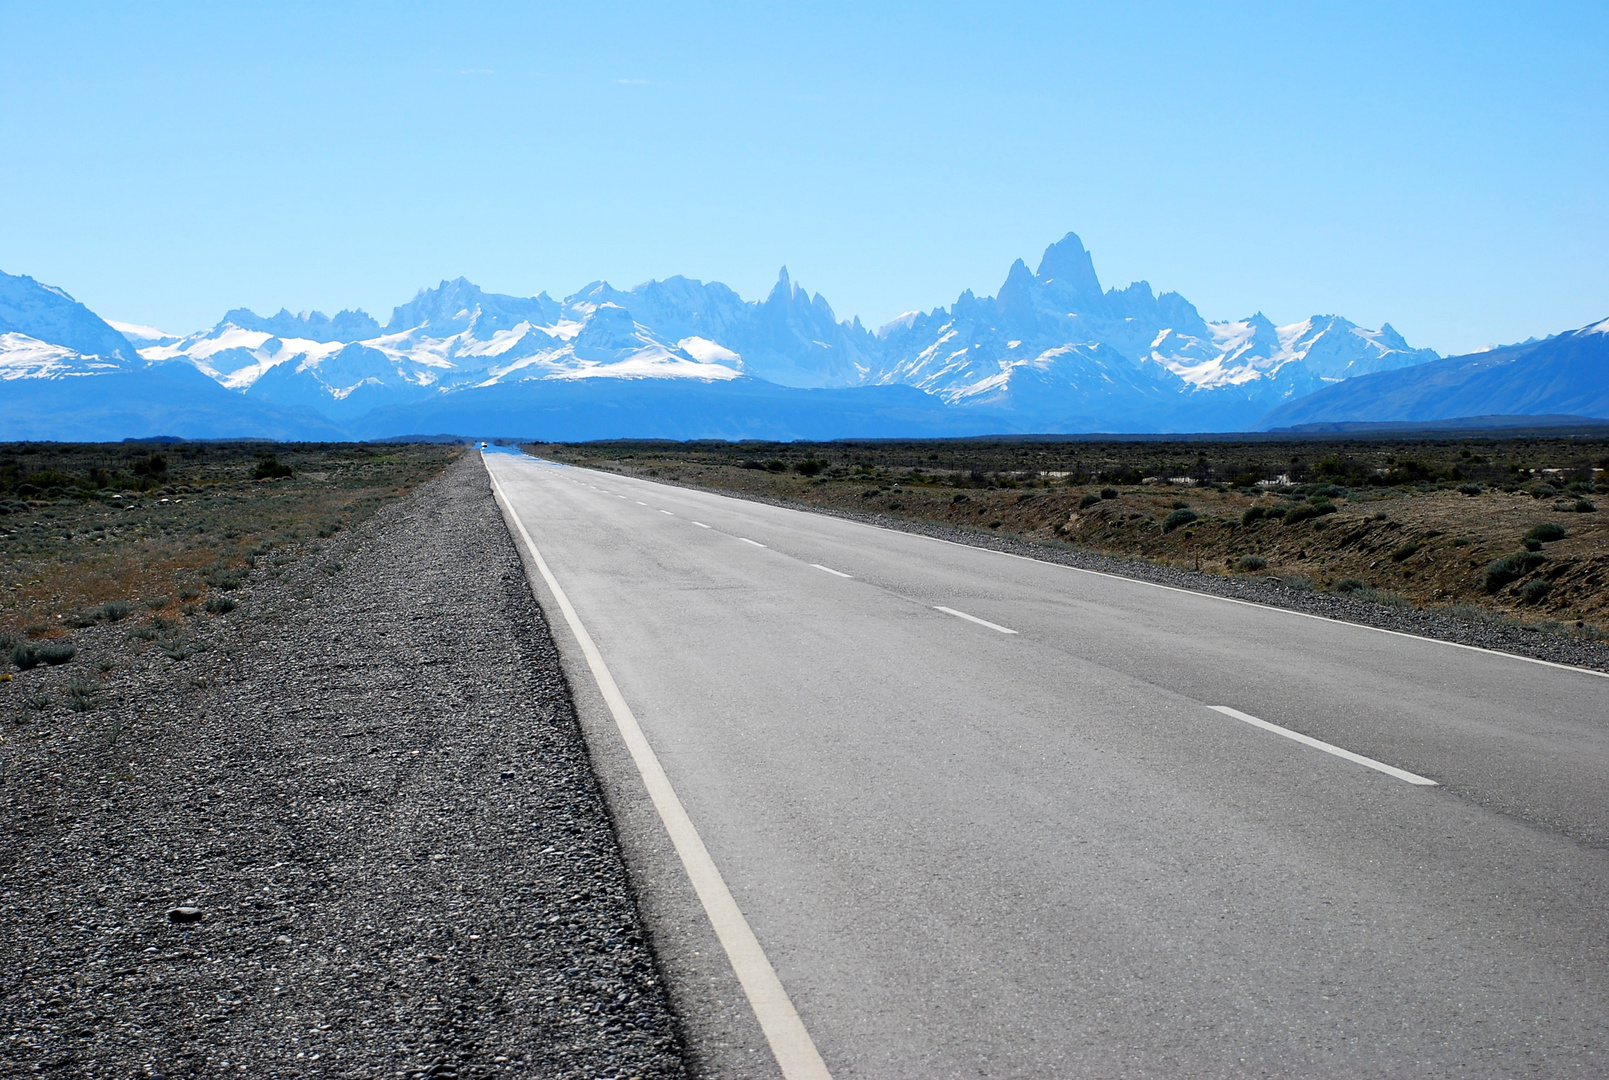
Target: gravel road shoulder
x=367, y=788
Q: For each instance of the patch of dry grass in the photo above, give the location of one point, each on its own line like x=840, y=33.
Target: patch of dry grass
x=87, y=529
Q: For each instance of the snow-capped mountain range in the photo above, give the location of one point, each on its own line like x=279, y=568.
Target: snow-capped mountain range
x=1051, y=343
x=1051, y=351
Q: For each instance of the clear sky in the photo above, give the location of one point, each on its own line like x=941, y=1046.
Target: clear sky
x=1444, y=167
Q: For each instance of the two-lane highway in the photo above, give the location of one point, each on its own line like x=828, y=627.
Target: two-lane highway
x=988, y=816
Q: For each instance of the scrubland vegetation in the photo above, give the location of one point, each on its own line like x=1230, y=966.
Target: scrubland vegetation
x=158, y=534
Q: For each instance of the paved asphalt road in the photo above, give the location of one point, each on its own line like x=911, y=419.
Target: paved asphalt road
x=968, y=852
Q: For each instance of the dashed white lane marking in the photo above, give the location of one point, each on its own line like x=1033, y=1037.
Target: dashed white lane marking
x=701, y=525
x=790, y=1043
x=667, y=513
x=639, y=502
x=746, y=540
x=1328, y=748
x=829, y=570
x=974, y=618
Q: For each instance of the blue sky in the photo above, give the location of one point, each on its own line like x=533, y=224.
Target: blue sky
x=1443, y=167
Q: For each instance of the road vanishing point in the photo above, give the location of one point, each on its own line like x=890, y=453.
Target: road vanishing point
x=897, y=807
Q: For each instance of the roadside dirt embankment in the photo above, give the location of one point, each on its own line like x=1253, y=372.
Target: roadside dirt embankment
x=349, y=830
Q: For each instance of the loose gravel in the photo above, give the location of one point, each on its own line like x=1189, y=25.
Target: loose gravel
x=352, y=832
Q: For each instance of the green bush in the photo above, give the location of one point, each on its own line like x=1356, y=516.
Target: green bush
x=1108, y=493
x=1350, y=585
x=1534, y=591
x=1253, y=513
x=1179, y=504
x=27, y=656
x=1500, y=572
x=1469, y=489
x=777, y=465
x=1088, y=501
x=1307, y=511
x=1546, y=533
x=116, y=610
x=1251, y=563
x=81, y=695
x=1406, y=550
x=270, y=467
x=226, y=579
x=810, y=467
x=1584, y=506
x=220, y=605
x=1182, y=516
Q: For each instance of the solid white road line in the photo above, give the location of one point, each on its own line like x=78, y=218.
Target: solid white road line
x=790, y=1043
x=973, y=618
x=746, y=540
x=701, y=525
x=1328, y=748
x=829, y=569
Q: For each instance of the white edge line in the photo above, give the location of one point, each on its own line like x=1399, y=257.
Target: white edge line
x=1328, y=748
x=746, y=540
x=1150, y=584
x=830, y=570
x=974, y=618
x=791, y=1044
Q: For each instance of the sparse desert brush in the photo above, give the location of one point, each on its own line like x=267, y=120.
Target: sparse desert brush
x=1510, y=568
x=1252, y=563
x=226, y=579
x=1546, y=533
x=1308, y=511
x=27, y=655
x=220, y=605
x=91, y=547
x=81, y=695
x=1179, y=518
x=116, y=610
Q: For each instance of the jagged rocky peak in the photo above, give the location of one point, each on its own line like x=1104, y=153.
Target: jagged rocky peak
x=48, y=314
x=351, y=324
x=458, y=305
x=1069, y=271
x=450, y=304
